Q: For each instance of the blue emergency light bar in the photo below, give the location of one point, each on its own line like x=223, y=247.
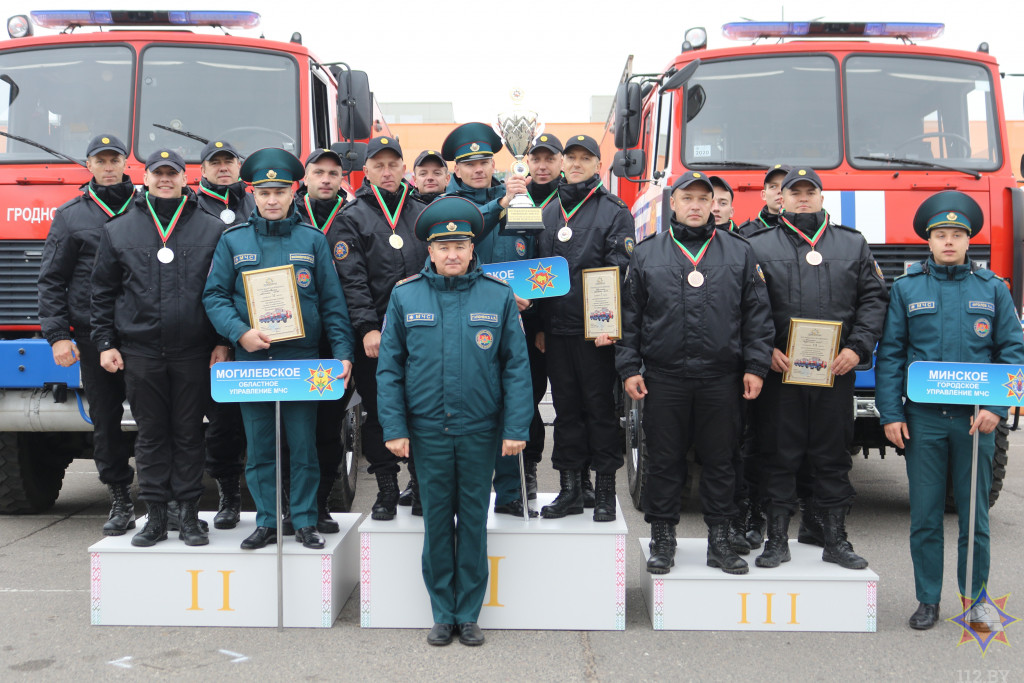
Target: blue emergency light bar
x=752, y=30
x=60, y=19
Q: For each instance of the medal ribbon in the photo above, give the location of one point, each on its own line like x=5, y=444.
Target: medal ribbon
x=810, y=240
x=572, y=213
x=106, y=209
x=391, y=218
x=165, y=234
x=763, y=221
x=545, y=202
x=700, y=254
x=210, y=193
x=327, y=223
x=732, y=225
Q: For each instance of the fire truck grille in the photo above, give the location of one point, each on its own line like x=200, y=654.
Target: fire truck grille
x=19, y=272
x=893, y=259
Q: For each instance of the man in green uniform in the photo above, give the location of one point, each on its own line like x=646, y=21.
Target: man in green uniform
x=945, y=309
x=276, y=236
x=453, y=382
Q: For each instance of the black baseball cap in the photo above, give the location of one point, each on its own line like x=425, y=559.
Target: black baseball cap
x=216, y=146
x=429, y=154
x=318, y=154
x=799, y=173
x=720, y=183
x=689, y=178
x=586, y=142
x=165, y=157
x=103, y=143
x=377, y=145
x=548, y=142
x=777, y=168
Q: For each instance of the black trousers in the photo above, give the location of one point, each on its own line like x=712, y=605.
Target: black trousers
x=105, y=392
x=678, y=413
x=377, y=455
x=586, y=426
x=225, y=440
x=539, y=375
x=330, y=416
x=168, y=397
x=798, y=423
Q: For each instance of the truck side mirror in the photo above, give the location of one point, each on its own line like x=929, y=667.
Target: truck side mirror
x=355, y=104
x=629, y=163
x=695, y=99
x=353, y=155
x=628, y=102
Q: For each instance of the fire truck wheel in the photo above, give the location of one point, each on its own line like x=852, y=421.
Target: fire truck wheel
x=636, y=447
x=999, y=462
x=344, y=490
x=31, y=471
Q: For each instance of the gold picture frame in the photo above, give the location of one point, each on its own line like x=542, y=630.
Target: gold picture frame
x=811, y=348
x=272, y=298
x=602, y=303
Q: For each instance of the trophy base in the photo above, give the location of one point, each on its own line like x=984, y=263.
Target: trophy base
x=524, y=220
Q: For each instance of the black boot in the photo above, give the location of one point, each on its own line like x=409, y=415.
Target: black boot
x=405, y=497
x=837, y=548
x=324, y=523
x=604, y=503
x=386, y=506
x=589, y=496
x=776, y=550
x=122, y=511
x=230, y=506
x=736, y=525
x=417, y=503
x=188, y=523
x=531, y=480
x=720, y=552
x=663, y=547
x=810, y=525
x=155, y=529
x=569, y=500
x=756, y=523
x=174, y=515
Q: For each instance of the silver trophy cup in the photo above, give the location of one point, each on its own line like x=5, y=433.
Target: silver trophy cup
x=517, y=129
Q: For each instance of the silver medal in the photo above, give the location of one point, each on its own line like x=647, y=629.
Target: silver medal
x=813, y=257
x=564, y=234
x=396, y=241
x=228, y=216
x=165, y=255
x=695, y=278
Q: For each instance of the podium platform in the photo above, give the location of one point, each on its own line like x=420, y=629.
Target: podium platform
x=565, y=573
x=172, y=584
x=804, y=594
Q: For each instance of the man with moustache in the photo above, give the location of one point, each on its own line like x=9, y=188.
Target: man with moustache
x=430, y=175
x=64, y=294
x=148, y=320
x=821, y=271
x=374, y=245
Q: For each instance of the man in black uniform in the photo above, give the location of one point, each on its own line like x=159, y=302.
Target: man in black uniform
x=820, y=271
x=703, y=344
x=590, y=228
x=374, y=245
x=722, y=208
x=430, y=173
x=148, y=319
x=768, y=217
x=64, y=293
x=222, y=195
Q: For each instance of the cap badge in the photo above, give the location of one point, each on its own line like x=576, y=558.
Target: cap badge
x=105, y=141
x=951, y=216
x=801, y=172
x=218, y=144
x=474, y=147
x=383, y=141
x=696, y=175
x=431, y=152
x=164, y=155
x=543, y=138
x=271, y=174
x=778, y=165
x=579, y=137
x=452, y=227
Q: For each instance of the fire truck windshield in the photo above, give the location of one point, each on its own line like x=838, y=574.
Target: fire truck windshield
x=247, y=97
x=917, y=109
x=63, y=97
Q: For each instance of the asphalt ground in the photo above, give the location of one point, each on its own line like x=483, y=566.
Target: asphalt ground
x=46, y=634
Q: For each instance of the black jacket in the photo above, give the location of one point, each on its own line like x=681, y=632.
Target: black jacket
x=764, y=219
x=847, y=286
x=541, y=193
x=721, y=328
x=322, y=209
x=239, y=201
x=147, y=308
x=602, y=236
x=65, y=273
x=366, y=262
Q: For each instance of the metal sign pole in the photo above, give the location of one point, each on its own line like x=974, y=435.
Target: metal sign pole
x=972, y=514
x=279, y=518
x=522, y=488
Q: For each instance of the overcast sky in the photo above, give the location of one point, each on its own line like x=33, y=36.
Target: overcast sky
x=473, y=52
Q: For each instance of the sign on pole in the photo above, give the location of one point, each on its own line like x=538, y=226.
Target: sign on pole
x=277, y=380
x=972, y=384
x=536, y=278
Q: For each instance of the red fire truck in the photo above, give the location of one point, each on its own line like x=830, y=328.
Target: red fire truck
x=154, y=79
x=885, y=121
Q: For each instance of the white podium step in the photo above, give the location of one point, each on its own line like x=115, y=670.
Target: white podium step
x=804, y=594
x=565, y=573
x=172, y=584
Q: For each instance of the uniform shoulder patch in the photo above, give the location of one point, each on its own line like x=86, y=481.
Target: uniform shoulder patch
x=341, y=250
x=630, y=245
x=409, y=279
x=757, y=267
x=878, y=270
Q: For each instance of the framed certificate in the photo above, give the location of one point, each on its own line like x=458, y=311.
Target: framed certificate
x=812, y=346
x=602, y=313
x=273, y=300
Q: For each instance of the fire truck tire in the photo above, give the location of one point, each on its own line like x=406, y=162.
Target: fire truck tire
x=636, y=448
x=31, y=474
x=344, y=490
x=1000, y=459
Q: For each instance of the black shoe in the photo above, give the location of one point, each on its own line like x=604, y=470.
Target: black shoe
x=589, y=495
x=122, y=511
x=837, y=547
x=174, y=514
x=569, y=500
x=229, y=508
x=417, y=503
x=260, y=538
x=756, y=524
x=309, y=537
x=924, y=617
x=470, y=634
x=604, y=498
x=386, y=506
x=720, y=552
x=441, y=634
x=155, y=529
x=776, y=549
x=737, y=540
x=405, y=500
x=325, y=524
x=663, y=547
x=530, y=474
x=189, y=529
x=810, y=532
x=514, y=508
